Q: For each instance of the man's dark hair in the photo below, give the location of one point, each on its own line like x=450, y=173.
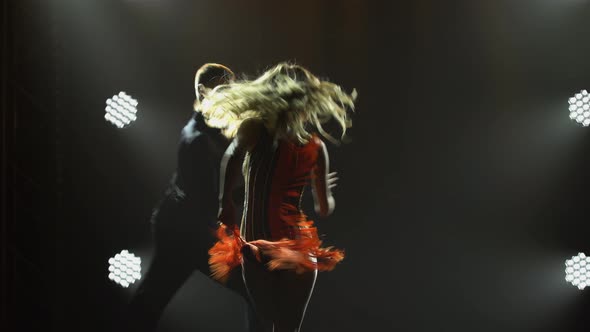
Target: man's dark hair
x=213, y=74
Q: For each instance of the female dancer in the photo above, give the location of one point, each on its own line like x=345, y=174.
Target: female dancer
x=273, y=120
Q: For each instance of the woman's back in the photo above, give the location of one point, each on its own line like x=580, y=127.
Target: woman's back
x=279, y=249
x=276, y=172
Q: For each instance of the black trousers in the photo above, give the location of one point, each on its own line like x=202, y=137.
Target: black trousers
x=180, y=250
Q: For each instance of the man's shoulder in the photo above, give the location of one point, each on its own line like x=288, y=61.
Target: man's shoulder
x=192, y=136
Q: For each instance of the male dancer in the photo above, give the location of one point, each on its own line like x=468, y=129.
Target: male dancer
x=184, y=219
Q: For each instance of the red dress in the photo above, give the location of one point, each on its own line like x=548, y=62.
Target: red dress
x=276, y=173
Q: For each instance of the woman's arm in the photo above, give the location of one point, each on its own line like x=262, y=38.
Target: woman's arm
x=229, y=176
x=231, y=166
x=322, y=182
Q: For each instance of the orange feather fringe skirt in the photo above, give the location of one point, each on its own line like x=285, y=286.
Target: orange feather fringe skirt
x=301, y=254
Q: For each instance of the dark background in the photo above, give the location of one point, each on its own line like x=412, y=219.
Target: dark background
x=462, y=192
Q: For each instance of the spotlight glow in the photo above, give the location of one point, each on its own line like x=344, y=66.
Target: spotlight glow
x=121, y=110
x=576, y=272
x=579, y=108
x=124, y=268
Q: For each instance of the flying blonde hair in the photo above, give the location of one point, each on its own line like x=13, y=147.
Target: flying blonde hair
x=286, y=98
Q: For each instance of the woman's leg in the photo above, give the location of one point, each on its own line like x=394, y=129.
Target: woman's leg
x=279, y=297
x=258, y=281
x=294, y=291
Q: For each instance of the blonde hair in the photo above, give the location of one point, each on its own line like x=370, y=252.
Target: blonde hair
x=286, y=98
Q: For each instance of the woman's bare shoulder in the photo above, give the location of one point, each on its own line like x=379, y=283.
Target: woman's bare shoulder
x=316, y=140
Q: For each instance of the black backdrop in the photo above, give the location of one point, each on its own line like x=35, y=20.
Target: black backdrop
x=462, y=191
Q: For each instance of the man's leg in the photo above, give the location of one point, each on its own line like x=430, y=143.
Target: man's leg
x=164, y=277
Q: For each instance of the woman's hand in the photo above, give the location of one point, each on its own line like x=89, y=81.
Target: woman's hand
x=332, y=180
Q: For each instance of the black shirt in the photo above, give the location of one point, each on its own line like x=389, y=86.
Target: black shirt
x=192, y=196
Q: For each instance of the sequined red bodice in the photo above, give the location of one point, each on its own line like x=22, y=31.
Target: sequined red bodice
x=276, y=173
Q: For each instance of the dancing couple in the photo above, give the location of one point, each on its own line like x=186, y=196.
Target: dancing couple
x=269, y=132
